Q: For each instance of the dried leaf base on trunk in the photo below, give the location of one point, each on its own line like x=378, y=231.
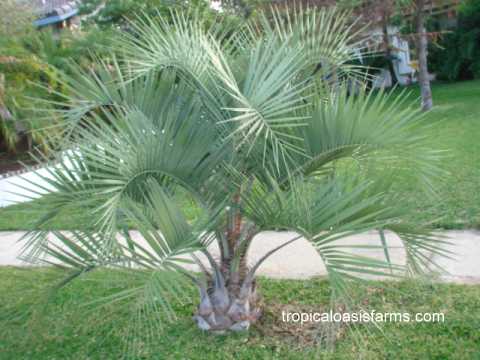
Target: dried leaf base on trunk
x=224, y=309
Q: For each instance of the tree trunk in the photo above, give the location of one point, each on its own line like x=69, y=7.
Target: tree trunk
x=229, y=300
x=228, y=309
x=422, y=44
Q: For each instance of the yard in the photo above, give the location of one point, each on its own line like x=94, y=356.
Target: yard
x=457, y=112
x=456, y=117
x=59, y=331
x=254, y=123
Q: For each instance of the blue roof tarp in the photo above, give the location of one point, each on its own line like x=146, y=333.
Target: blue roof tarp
x=56, y=18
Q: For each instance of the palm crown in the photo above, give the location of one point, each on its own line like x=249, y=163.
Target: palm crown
x=267, y=127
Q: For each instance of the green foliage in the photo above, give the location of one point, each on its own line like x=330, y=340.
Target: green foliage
x=60, y=50
x=31, y=76
x=23, y=75
x=118, y=13
x=457, y=56
x=17, y=19
x=17, y=23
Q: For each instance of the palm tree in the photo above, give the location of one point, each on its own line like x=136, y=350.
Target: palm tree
x=267, y=127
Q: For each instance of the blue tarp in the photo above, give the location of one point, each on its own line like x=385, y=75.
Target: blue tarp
x=55, y=19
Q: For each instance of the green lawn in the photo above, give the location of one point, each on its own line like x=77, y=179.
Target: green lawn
x=457, y=114
x=22, y=216
x=66, y=330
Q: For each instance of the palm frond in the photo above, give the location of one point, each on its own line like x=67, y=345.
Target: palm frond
x=163, y=245
x=369, y=125
x=331, y=38
x=117, y=150
x=264, y=98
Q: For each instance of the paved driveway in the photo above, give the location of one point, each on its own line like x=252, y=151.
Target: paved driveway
x=299, y=260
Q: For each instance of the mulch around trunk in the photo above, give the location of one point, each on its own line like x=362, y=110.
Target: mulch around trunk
x=272, y=325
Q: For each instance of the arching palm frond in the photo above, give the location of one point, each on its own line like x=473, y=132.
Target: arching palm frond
x=368, y=125
x=159, y=135
x=330, y=38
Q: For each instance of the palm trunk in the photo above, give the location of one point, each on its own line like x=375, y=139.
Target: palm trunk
x=223, y=308
x=228, y=302
x=422, y=43
x=231, y=302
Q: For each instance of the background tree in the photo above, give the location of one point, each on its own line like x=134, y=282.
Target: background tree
x=30, y=60
x=19, y=19
x=418, y=12
x=117, y=13
x=457, y=54
x=257, y=135
x=403, y=13
x=422, y=52
x=13, y=26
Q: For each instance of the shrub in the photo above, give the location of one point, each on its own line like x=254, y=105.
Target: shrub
x=458, y=57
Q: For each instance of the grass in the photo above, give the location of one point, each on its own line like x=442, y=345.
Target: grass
x=23, y=216
x=65, y=330
x=457, y=114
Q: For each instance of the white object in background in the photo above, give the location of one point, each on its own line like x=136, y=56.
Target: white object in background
x=14, y=189
x=403, y=54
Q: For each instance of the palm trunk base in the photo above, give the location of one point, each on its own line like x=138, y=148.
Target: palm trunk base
x=222, y=311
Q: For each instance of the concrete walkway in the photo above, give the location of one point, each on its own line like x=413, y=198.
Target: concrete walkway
x=299, y=260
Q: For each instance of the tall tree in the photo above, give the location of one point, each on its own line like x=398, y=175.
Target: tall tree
x=381, y=13
x=422, y=52
x=416, y=12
